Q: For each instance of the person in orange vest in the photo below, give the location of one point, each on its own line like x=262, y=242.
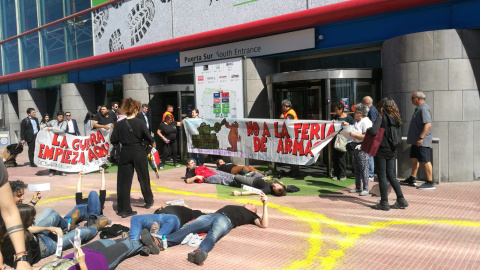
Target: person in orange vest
x=289, y=113
x=168, y=112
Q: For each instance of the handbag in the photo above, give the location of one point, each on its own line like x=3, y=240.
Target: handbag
x=340, y=143
x=371, y=142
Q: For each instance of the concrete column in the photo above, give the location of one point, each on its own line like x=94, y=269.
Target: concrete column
x=136, y=85
x=12, y=120
x=257, y=98
x=445, y=64
x=78, y=99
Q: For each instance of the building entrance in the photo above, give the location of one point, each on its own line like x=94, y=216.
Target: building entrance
x=181, y=97
x=314, y=92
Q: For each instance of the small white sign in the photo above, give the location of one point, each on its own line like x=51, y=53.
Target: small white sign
x=287, y=42
x=39, y=187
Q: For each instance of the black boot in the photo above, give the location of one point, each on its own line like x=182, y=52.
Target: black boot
x=382, y=205
x=399, y=204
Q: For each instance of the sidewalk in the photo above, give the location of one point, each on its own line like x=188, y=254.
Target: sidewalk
x=439, y=230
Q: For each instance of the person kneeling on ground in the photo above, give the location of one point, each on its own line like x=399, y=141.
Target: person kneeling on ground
x=217, y=225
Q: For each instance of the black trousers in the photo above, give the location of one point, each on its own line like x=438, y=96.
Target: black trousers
x=386, y=171
x=132, y=157
x=31, y=149
x=339, y=164
x=169, y=148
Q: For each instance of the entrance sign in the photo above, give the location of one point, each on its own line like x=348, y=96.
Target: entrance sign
x=219, y=89
x=50, y=81
x=277, y=140
x=287, y=42
x=68, y=153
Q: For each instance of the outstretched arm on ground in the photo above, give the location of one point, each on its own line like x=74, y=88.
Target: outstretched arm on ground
x=263, y=222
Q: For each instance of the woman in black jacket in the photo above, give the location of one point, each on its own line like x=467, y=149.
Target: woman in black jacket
x=131, y=132
x=390, y=119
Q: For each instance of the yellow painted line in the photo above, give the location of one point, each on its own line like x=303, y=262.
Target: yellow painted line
x=327, y=259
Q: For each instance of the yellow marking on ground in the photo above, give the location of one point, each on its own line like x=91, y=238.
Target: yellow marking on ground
x=327, y=259
x=72, y=187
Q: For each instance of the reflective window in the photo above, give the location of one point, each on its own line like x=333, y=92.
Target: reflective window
x=8, y=22
x=79, y=37
x=53, y=44
x=27, y=15
x=11, y=63
x=50, y=10
x=74, y=6
x=30, y=51
x=1, y=69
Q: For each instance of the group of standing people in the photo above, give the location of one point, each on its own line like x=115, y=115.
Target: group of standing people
x=368, y=119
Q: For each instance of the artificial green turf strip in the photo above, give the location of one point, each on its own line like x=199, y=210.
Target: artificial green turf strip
x=308, y=184
x=113, y=168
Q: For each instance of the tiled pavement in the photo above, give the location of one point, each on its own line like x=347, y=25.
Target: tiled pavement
x=439, y=230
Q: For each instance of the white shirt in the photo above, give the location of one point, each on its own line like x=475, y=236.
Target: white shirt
x=361, y=127
x=70, y=126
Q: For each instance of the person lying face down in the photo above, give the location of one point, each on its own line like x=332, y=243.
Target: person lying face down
x=217, y=225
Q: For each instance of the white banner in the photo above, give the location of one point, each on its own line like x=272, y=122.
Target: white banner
x=219, y=88
x=68, y=153
x=286, y=141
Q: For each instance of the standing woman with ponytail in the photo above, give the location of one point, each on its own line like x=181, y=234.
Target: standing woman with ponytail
x=131, y=132
x=390, y=119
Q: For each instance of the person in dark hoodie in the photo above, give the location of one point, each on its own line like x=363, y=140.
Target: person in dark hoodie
x=390, y=118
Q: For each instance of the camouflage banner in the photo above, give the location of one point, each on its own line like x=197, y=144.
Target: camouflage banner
x=286, y=141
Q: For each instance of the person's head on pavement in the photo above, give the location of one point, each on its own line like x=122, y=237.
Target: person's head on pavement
x=18, y=189
x=278, y=189
x=220, y=162
x=190, y=164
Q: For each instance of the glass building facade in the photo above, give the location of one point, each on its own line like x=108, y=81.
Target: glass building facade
x=65, y=40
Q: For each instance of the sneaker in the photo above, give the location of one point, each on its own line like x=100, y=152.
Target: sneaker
x=355, y=191
x=127, y=214
x=428, y=185
x=243, y=171
x=75, y=216
x=160, y=168
x=371, y=179
x=267, y=173
x=50, y=174
x=145, y=251
x=125, y=235
x=399, y=204
x=410, y=181
x=364, y=193
x=64, y=174
x=154, y=228
x=334, y=178
x=198, y=256
x=250, y=174
x=382, y=205
x=176, y=165
x=152, y=243
x=343, y=178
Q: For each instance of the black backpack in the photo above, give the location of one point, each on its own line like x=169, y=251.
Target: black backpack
x=394, y=136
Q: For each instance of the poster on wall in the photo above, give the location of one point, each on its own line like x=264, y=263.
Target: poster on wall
x=219, y=89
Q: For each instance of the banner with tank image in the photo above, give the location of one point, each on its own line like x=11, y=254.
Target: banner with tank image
x=294, y=142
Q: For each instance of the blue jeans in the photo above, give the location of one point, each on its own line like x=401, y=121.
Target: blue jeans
x=166, y=222
x=50, y=218
x=115, y=250
x=50, y=240
x=371, y=164
x=92, y=208
x=216, y=225
x=198, y=158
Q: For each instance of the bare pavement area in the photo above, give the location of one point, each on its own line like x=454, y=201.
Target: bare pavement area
x=439, y=230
